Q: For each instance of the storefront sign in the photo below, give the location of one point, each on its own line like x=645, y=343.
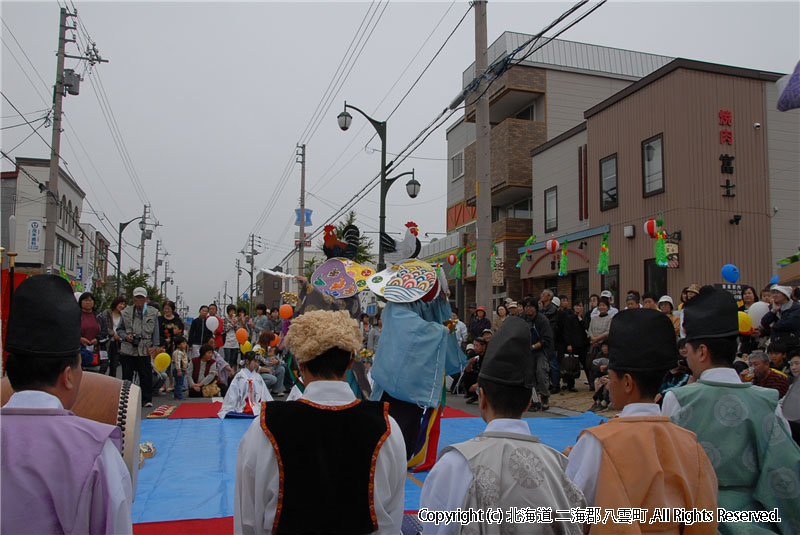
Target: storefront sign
x=726, y=138
x=34, y=235
x=734, y=289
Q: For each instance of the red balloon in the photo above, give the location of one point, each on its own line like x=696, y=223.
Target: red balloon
x=651, y=228
x=242, y=336
x=286, y=311
x=552, y=245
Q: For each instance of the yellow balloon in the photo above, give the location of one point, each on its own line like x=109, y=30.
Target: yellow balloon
x=162, y=361
x=246, y=347
x=745, y=323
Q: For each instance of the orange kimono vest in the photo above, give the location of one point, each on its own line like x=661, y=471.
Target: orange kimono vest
x=650, y=463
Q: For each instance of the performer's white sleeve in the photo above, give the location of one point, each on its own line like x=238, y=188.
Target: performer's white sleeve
x=257, y=483
x=670, y=406
x=445, y=489
x=118, y=485
x=584, y=465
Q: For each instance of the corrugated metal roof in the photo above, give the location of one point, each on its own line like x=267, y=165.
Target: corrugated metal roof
x=559, y=53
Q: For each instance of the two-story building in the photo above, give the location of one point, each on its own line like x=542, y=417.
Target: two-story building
x=697, y=145
x=23, y=197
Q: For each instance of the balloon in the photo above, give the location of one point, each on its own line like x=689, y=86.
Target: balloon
x=242, y=336
x=162, y=361
x=286, y=311
x=730, y=273
x=275, y=341
x=246, y=347
x=774, y=279
x=757, y=311
x=212, y=323
x=79, y=294
x=745, y=323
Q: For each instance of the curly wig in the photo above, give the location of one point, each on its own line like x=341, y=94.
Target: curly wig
x=313, y=333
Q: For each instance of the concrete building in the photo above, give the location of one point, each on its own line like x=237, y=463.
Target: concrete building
x=268, y=289
x=23, y=197
x=535, y=101
x=700, y=146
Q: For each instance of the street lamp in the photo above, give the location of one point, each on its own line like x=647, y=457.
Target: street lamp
x=412, y=187
x=119, y=244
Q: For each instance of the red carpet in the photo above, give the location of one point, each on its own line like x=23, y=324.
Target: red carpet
x=450, y=412
x=218, y=526
x=197, y=410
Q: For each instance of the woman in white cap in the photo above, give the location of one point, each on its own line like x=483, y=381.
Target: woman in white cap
x=783, y=318
x=666, y=306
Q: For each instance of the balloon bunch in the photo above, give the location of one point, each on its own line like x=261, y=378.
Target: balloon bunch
x=562, y=267
x=602, y=264
x=528, y=243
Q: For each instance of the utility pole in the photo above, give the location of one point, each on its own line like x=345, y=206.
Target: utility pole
x=144, y=234
x=59, y=89
x=238, y=276
x=250, y=258
x=483, y=279
x=155, y=270
x=55, y=145
x=225, y=293
x=301, y=153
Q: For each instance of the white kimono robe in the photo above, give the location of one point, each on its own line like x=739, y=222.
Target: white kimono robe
x=246, y=386
x=257, y=476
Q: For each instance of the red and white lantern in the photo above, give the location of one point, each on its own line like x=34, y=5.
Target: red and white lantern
x=651, y=228
x=452, y=259
x=551, y=245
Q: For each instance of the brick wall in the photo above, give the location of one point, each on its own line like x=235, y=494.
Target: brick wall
x=529, y=79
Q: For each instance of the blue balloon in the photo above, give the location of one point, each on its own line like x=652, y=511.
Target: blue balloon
x=774, y=279
x=730, y=273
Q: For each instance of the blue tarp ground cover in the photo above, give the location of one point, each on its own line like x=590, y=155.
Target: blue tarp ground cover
x=194, y=470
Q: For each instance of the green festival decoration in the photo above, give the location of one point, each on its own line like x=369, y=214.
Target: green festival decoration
x=562, y=267
x=456, y=269
x=472, y=259
x=528, y=243
x=602, y=264
x=660, y=247
x=493, y=255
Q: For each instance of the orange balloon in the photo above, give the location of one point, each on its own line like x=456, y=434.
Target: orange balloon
x=286, y=311
x=275, y=341
x=242, y=336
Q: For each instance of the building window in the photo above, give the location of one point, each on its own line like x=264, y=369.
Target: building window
x=61, y=252
x=276, y=285
x=551, y=209
x=653, y=165
x=528, y=114
x=71, y=257
x=521, y=210
x=610, y=281
x=580, y=287
x=457, y=165
x=655, y=277
x=608, y=183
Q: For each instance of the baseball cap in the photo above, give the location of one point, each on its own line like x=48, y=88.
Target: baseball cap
x=139, y=292
x=606, y=293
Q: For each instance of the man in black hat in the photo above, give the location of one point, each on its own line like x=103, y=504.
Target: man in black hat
x=670, y=469
x=504, y=466
x=739, y=425
x=61, y=473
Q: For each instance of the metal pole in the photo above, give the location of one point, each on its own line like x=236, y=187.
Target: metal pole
x=384, y=189
x=155, y=270
x=55, y=146
x=119, y=254
x=144, y=230
x=252, y=262
x=483, y=279
x=238, y=276
x=300, y=250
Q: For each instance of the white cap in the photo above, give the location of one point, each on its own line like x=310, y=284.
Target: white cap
x=606, y=293
x=140, y=292
x=557, y=301
x=785, y=290
x=666, y=299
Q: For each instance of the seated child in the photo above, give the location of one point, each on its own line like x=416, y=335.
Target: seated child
x=246, y=391
x=642, y=460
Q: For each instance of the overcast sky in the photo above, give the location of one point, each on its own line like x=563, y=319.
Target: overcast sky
x=211, y=98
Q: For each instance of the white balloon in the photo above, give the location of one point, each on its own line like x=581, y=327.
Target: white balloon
x=757, y=311
x=77, y=295
x=212, y=323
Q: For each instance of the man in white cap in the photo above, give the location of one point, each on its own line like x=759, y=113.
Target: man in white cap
x=138, y=328
x=783, y=318
x=328, y=462
x=611, y=309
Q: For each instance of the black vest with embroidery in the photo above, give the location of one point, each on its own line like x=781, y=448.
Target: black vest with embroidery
x=327, y=458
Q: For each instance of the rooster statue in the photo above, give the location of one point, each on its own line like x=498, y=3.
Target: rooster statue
x=408, y=248
x=335, y=248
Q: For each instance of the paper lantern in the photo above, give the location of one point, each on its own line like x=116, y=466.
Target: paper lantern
x=551, y=245
x=452, y=259
x=651, y=227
